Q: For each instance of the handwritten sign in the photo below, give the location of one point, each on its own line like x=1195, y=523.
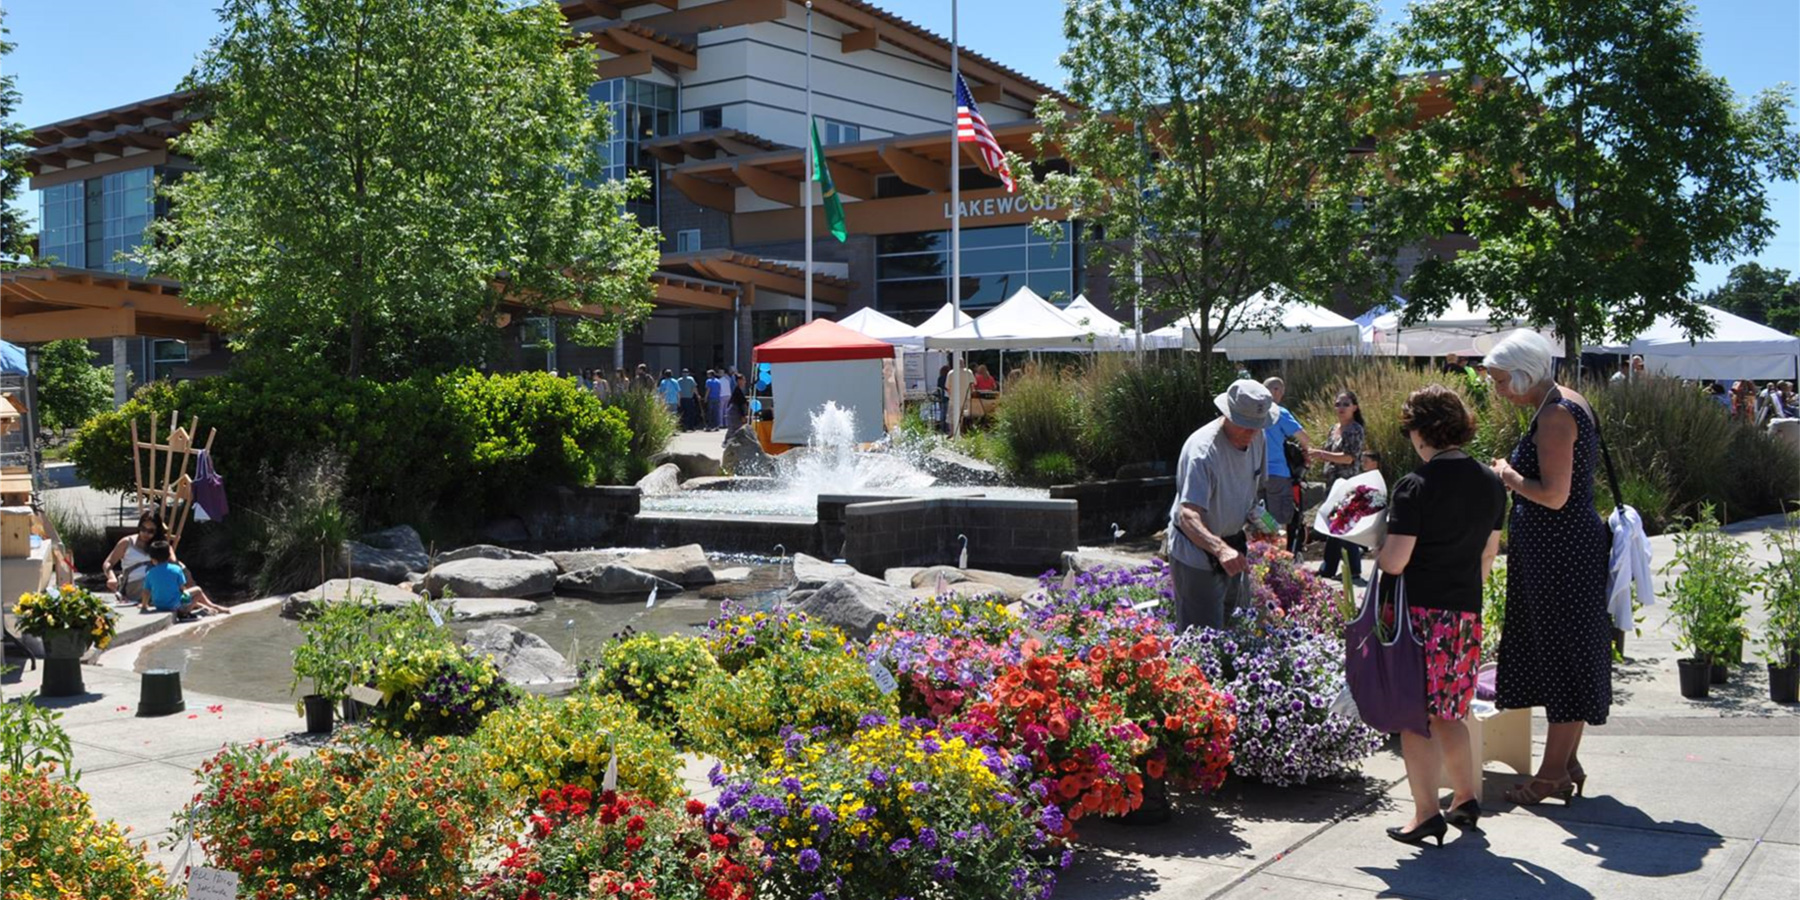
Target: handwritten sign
x=884, y=679
x=366, y=695
x=212, y=884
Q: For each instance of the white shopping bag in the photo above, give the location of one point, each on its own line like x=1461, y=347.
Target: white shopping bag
x=1367, y=532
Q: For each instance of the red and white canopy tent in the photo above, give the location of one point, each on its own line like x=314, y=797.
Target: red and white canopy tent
x=823, y=361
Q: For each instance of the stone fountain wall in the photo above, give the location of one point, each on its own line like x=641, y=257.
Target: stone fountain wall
x=1020, y=536
x=1139, y=506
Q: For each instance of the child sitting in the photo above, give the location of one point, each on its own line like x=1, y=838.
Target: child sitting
x=165, y=585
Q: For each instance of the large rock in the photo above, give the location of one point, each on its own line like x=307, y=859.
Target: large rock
x=306, y=604
x=811, y=573
x=732, y=483
x=744, y=455
x=400, y=539
x=855, y=605
x=928, y=577
x=522, y=657
x=480, y=609
x=1013, y=586
x=973, y=582
x=685, y=565
x=386, y=555
x=951, y=467
x=576, y=560
x=1098, y=561
x=485, y=551
x=612, y=579
x=664, y=479
x=694, y=465
x=493, y=578
x=962, y=590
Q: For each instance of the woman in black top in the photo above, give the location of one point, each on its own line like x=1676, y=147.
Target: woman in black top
x=1444, y=524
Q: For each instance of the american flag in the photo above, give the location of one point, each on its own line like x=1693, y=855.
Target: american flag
x=972, y=128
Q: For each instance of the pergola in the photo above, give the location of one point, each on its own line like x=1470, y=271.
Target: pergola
x=52, y=303
x=749, y=272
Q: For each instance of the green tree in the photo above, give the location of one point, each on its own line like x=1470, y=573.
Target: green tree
x=15, y=235
x=379, y=178
x=1591, y=155
x=71, y=389
x=1761, y=295
x=1211, y=141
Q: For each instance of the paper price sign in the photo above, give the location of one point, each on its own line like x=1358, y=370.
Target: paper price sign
x=212, y=884
x=884, y=679
x=365, y=695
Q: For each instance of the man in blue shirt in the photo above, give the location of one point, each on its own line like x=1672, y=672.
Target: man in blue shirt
x=1278, y=490
x=670, y=389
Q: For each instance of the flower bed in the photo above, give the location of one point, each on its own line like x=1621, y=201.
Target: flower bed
x=898, y=809
x=544, y=744
x=654, y=675
x=1286, y=591
x=436, y=690
x=51, y=845
x=944, y=651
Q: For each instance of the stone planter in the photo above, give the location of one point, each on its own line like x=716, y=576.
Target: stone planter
x=63, y=649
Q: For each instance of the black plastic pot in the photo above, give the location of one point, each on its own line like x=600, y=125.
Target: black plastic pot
x=1784, y=683
x=1696, y=678
x=1155, y=809
x=1721, y=672
x=318, y=713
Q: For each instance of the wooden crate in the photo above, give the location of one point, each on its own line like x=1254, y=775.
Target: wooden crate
x=15, y=532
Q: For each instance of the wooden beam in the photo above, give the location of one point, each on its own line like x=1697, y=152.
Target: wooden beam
x=146, y=159
x=700, y=149
x=670, y=154
x=861, y=39
x=155, y=326
x=794, y=285
x=723, y=14
x=768, y=185
x=736, y=147
x=84, y=324
x=630, y=65
x=672, y=293
x=987, y=93
x=850, y=180
x=721, y=197
x=916, y=170
x=632, y=41
x=71, y=293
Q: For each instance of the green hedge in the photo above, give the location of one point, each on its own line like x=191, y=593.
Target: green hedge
x=448, y=448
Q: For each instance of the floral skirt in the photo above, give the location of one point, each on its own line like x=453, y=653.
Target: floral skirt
x=1452, y=649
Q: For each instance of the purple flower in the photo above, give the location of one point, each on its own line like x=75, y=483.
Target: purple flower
x=823, y=814
x=900, y=846
x=928, y=838
x=809, y=861
x=944, y=870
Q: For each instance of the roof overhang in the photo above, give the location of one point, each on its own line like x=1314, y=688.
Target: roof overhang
x=701, y=145
x=747, y=270
x=62, y=151
x=50, y=303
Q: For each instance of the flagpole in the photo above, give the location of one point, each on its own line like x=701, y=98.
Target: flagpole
x=955, y=229
x=806, y=184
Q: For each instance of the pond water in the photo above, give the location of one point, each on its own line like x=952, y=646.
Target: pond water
x=249, y=656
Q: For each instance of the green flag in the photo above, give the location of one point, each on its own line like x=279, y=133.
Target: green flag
x=834, y=207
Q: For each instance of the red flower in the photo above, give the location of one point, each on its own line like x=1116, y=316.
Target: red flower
x=534, y=878
x=719, y=841
x=635, y=823
x=695, y=807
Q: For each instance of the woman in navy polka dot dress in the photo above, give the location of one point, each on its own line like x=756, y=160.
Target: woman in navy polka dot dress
x=1556, y=644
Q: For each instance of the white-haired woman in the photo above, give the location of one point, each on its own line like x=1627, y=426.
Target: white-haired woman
x=1556, y=645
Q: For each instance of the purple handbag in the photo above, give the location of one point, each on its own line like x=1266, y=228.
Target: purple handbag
x=209, y=488
x=1387, y=679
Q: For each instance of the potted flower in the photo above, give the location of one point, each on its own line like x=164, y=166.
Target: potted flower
x=1713, y=575
x=69, y=619
x=329, y=642
x=1781, y=596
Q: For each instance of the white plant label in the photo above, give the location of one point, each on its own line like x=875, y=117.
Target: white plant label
x=437, y=618
x=652, y=601
x=884, y=679
x=212, y=884
x=1147, y=604
x=366, y=695
x=943, y=587
x=610, y=781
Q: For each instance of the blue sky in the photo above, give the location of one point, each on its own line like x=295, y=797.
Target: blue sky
x=76, y=56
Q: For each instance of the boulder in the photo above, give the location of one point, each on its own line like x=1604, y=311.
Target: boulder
x=811, y=573
x=928, y=577
x=731, y=483
x=901, y=576
x=854, y=605
x=383, y=565
x=522, y=657
x=694, y=465
x=576, y=560
x=744, y=455
x=305, y=604
x=964, y=590
x=1098, y=561
x=664, y=479
x=400, y=539
x=613, y=579
x=485, y=551
x=493, y=578
x=685, y=565
x=479, y=609
x=951, y=467
x=1013, y=586
x=796, y=598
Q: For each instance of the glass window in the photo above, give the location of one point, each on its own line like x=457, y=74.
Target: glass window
x=831, y=132
x=165, y=355
x=687, y=240
x=712, y=117
x=62, y=224
x=912, y=270
x=538, y=335
x=127, y=202
x=639, y=111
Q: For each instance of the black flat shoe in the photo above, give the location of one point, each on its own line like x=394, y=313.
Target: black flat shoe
x=1434, y=828
x=1466, y=815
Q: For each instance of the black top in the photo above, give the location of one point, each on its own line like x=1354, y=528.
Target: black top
x=1450, y=506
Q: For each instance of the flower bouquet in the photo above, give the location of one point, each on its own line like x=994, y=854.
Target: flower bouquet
x=1355, y=510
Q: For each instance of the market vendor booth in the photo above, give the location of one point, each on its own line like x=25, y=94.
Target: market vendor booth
x=822, y=362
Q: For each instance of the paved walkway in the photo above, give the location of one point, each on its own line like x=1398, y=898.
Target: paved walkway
x=1689, y=800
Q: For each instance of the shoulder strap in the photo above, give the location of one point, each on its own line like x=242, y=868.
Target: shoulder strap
x=1612, y=474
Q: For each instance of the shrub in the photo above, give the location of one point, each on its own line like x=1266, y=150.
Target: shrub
x=1040, y=415
x=1143, y=413
x=32, y=741
x=744, y=717
x=390, y=821
x=1713, y=573
x=297, y=540
x=71, y=389
x=543, y=744
x=54, y=847
x=651, y=424
x=895, y=810
x=1781, y=596
x=536, y=428
x=1055, y=467
x=581, y=845
x=654, y=675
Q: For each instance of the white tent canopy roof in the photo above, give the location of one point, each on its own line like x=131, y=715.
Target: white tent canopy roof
x=1109, y=333
x=1294, y=328
x=1737, y=348
x=1458, y=329
x=1024, y=321
x=940, y=322
x=882, y=327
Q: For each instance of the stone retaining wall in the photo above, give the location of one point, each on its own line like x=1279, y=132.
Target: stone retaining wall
x=724, y=534
x=1140, y=506
x=570, y=517
x=1021, y=536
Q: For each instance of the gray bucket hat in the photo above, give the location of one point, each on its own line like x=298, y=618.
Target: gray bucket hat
x=1247, y=404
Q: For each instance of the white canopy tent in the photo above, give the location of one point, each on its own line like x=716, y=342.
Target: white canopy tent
x=883, y=327
x=1737, y=348
x=1023, y=321
x=1275, y=329
x=1458, y=329
x=1109, y=333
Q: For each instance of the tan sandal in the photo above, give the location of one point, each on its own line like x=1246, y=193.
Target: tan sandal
x=1533, y=793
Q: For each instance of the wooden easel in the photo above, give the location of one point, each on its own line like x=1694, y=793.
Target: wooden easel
x=171, y=492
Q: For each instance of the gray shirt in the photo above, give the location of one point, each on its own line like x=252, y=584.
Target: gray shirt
x=1222, y=480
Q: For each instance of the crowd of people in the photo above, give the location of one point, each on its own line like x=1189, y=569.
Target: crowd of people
x=1444, y=522
x=718, y=400
x=1742, y=399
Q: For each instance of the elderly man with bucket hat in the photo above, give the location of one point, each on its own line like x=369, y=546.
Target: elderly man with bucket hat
x=1218, y=479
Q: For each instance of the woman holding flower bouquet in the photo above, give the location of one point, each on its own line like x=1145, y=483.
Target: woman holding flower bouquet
x=1444, y=524
x=1556, y=648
